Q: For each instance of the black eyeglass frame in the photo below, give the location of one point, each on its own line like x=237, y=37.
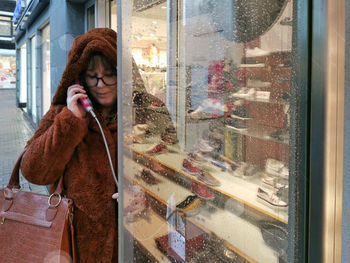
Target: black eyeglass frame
x=97, y=79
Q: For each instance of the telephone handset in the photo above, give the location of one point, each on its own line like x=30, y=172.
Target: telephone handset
x=87, y=106
x=85, y=101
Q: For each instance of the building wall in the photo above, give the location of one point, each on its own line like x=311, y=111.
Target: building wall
x=66, y=21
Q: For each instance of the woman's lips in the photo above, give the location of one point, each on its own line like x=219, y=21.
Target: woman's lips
x=102, y=94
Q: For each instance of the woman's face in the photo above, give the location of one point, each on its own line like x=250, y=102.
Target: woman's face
x=102, y=85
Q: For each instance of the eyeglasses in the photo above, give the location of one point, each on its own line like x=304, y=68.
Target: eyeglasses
x=108, y=80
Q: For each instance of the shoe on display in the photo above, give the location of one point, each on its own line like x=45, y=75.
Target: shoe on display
x=208, y=179
x=199, y=114
x=236, y=124
x=241, y=91
x=273, y=166
x=240, y=112
x=157, y=149
x=189, y=167
x=276, y=168
x=270, y=199
x=275, y=234
x=203, y=146
x=271, y=182
x=284, y=173
x=202, y=191
x=148, y=176
x=256, y=52
x=190, y=206
x=139, y=133
x=244, y=93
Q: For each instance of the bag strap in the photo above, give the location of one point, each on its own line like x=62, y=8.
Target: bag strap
x=14, y=179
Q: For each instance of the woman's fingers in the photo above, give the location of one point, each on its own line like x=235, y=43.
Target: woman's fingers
x=75, y=97
x=74, y=93
x=115, y=196
x=74, y=90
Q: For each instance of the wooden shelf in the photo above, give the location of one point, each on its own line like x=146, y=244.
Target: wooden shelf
x=244, y=237
x=242, y=190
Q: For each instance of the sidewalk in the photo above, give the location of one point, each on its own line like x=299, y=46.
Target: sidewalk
x=15, y=131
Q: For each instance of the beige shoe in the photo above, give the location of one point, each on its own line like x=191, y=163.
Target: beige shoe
x=139, y=133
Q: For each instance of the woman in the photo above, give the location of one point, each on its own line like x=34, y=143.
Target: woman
x=68, y=143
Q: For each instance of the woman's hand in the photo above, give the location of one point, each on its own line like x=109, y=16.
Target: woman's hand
x=115, y=196
x=74, y=93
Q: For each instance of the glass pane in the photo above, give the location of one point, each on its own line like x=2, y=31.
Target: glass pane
x=206, y=130
x=8, y=70
x=33, y=66
x=45, y=49
x=23, y=80
x=90, y=17
x=113, y=16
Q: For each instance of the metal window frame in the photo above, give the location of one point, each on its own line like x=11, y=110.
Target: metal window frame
x=327, y=130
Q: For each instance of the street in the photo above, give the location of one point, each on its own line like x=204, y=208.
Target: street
x=15, y=131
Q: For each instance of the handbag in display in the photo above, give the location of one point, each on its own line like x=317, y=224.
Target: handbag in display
x=35, y=227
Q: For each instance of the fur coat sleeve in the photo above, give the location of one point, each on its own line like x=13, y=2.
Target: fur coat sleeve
x=53, y=145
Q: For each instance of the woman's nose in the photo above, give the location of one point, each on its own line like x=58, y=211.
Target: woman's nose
x=100, y=82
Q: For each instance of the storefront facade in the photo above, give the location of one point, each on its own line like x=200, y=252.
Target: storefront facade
x=239, y=158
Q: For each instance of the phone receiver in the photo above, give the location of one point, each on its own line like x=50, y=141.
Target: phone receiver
x=84, y=101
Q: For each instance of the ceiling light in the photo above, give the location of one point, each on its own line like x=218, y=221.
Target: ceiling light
x=163, y=7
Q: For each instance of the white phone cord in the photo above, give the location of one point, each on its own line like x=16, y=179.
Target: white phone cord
x=106, y=145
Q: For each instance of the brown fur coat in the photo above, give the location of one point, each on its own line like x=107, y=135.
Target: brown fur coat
x=67, y=146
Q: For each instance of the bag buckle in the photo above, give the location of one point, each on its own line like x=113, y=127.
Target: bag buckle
x=59, y=199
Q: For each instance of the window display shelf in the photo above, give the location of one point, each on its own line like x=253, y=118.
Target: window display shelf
x=270, y=101
x=240, y=189
x=210, y=222
x=144, y=231
x=257, y=65
x=260, y=132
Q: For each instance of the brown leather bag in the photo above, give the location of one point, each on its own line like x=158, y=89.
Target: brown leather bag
x=35, y=227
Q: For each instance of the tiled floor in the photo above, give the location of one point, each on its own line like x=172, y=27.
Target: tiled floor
x=15, y=131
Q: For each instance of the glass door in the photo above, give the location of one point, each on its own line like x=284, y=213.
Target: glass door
x=208, y=99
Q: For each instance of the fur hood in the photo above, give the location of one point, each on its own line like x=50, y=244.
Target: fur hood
x=102, y=40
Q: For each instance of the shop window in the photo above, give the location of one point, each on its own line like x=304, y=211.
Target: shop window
x=113, y=14
x=206, y=137
x=90, y=17
x=46, y=68
x=23, y=76
x=33, y=77
x=7, y=69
